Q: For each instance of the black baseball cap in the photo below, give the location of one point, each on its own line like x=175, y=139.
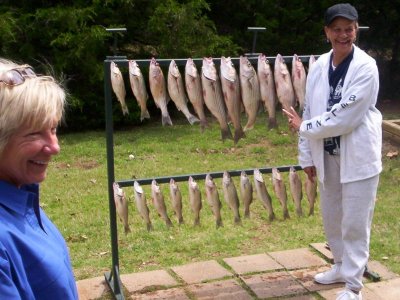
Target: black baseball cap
x=344, y=10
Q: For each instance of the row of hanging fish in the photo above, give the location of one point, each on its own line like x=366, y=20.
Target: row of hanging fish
x=225, y=95
x=230, y=194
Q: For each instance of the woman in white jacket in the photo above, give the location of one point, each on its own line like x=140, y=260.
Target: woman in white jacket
x=340, y=141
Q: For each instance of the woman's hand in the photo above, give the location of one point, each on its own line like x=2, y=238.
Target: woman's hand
x=293, y=118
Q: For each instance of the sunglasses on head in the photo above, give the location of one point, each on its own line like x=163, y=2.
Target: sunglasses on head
x=17, y=75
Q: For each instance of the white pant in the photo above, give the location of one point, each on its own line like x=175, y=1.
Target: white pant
x=347, y=211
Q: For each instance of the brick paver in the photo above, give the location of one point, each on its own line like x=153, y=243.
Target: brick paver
x=286, y=274
x=252, y=263
x=322, y=249
x=297, y=258
x=169, y=294
x=201, y=271
x=276, y=284
x=147, y=281
x=224, y=289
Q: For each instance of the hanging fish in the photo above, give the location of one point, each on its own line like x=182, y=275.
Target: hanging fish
x=296, y=190
x=121, y=206
x=118, y=86
x=246, y=193
x=283, y=84
x=138, y=87
x=231, y=197
x=195, y=200
x=263, y=194
x=311, y=192
x=213, y=200
x=213, y=97
x=176, y=199
x=159, y=204
x=195, y=92
x=158, y=90
x=177, y=93
x=250, y=89
x=230, y=84
x=299, y=81
x=267, y=89
x=280, y=191
x=141, y=205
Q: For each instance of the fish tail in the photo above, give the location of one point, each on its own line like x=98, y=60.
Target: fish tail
x=237, y=220
x=149, y=227
x=239, y=133
x=299, y=211
x=286, y=214
x=247, y=212
x=180, y=220
x=168, y=222
x=125, y=109
x=271, y=216
x=166, y=120
x=127, y=229
x=192, y=119
x=144, y=115
x=226, y=134
x=311, y=211
x=272, y=123
x=203, y=124
x=218, y=223
x=196, y=221
x=249, y=126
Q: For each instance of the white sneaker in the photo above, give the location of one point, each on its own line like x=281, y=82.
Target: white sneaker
x=331, y=276
x=349, y=295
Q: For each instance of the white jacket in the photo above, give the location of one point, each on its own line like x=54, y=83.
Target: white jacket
x=355, y=119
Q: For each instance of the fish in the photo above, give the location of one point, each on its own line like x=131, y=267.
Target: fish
x=118, y=86
x=231, y=196
x=280, y=191
x=283, y=84
x=195, y=200
x=141, y=205
x=213, y=97
x=121, y=206
x=195, y=92
x=311, y=192
x=159, y=91
x=176, y=199
x=311, y=61
x=213, y=200
x=267, y=89
x=138, y=87
x=296, y=189
x=263, y=194
x=246, y=193
x=158, y=202
x=250, y=91
x=176, y=91
x=299, y=81
x=230, y=84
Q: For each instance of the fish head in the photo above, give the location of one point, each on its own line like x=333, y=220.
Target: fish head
x=173, y=69
x=209, y=181
x=246, y=68
x=191, y=68
x=228, y=70
x=114, y=69
x=243, y=174
x=226, y=178
x=138, y=189
x=208, y=69
x=258, y=175
x=134, y=68
x=276, y=174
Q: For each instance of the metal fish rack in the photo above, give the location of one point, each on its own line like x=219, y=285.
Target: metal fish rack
x=113, y=276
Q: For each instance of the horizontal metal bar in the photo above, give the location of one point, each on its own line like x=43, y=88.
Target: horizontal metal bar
x=202, y=176
x=122, y=29
x=199, y=61
x=256, y=28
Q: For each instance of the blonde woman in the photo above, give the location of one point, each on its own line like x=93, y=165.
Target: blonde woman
x=34, y=259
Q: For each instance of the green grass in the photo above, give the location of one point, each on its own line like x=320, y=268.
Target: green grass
x=75, y=197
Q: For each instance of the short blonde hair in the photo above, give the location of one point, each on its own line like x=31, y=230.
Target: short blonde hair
x=38, y=102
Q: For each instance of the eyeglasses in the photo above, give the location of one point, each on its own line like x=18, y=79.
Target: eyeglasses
x=17, y=75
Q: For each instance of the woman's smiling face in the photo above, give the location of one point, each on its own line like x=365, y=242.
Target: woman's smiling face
x=27, y=155
x=341, y=33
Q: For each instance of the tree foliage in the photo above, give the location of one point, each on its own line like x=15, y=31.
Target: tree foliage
x=69, y=40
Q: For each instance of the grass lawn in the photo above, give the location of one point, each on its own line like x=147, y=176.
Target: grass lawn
x=75, y=197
